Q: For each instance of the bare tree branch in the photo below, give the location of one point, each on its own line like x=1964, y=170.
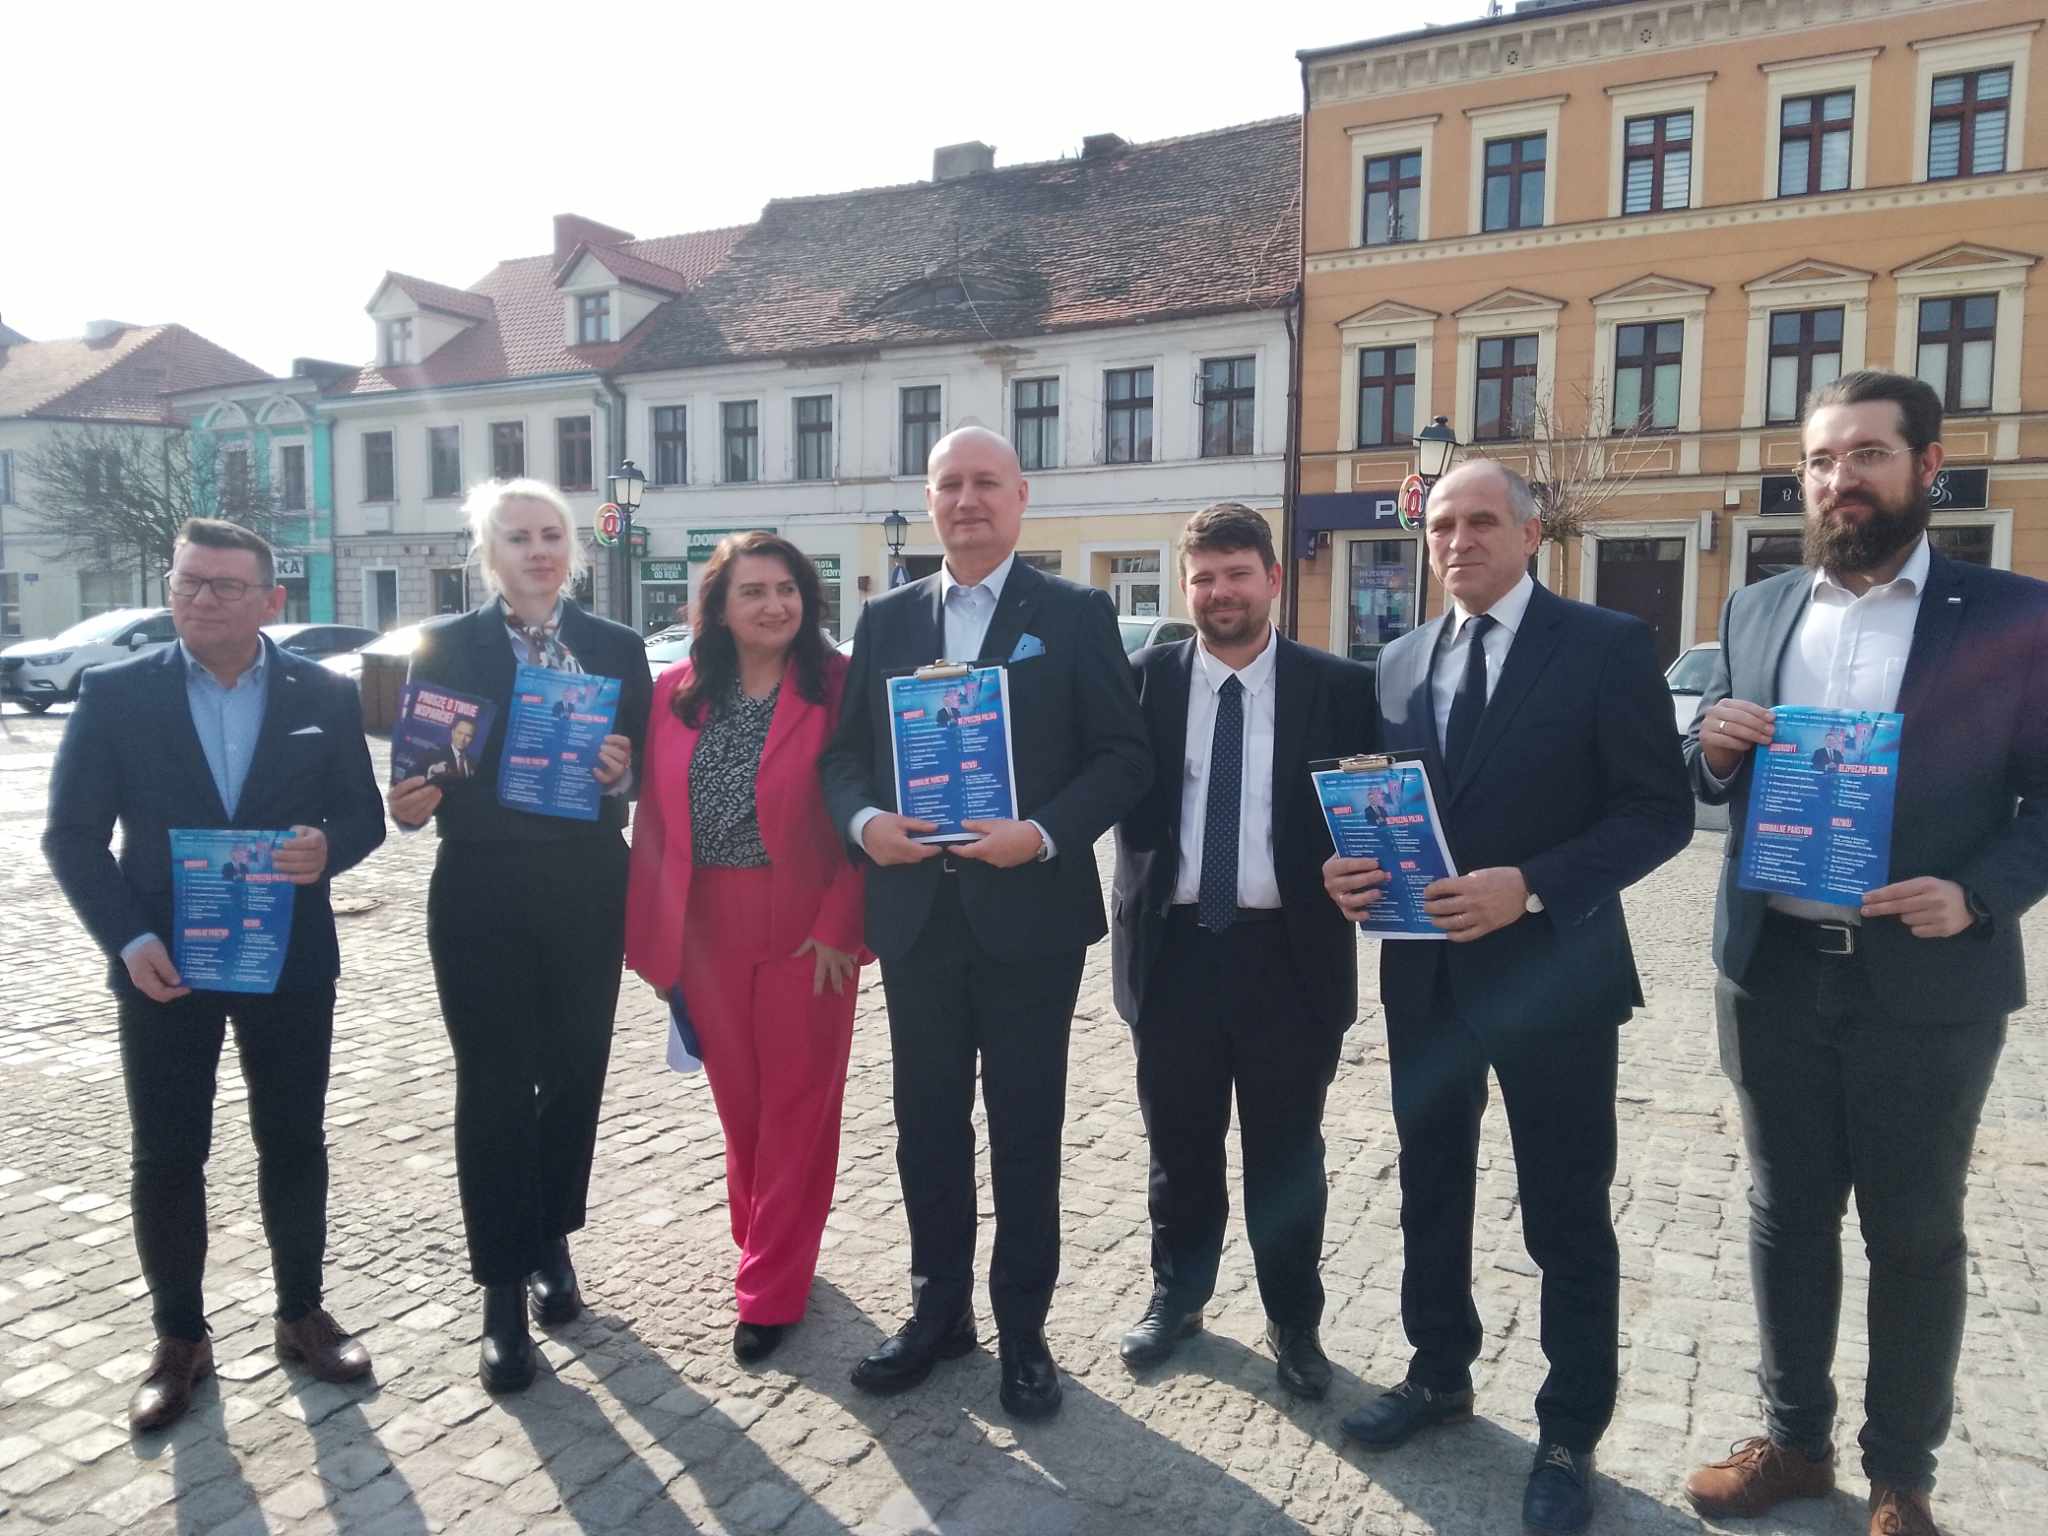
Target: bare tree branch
x=1579, y=461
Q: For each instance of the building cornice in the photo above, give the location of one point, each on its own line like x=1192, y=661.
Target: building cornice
x=1528, y=43
x=1686, y=221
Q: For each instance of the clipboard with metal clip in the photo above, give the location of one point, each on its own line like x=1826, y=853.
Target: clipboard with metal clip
x=967, y=776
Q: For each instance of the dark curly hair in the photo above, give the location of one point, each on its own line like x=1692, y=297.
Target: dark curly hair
x=714, y=655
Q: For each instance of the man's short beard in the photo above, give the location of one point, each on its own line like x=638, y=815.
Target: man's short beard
x=1854, y=547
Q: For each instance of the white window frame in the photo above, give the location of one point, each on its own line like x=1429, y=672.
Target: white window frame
x=689, y=408
x=491, y=425
x=277, y=447
x=1534, y=313
x=461, y=453
x=1622, y=306
x=757, y=399
x=1687, y=528
x=790, y=397
x=14, y=577
x=1377, y=139
x=1513, y=121
x=7, y=477
x=1844, y=288
x=1740, y=528
x=1201, y=357
x=2003, y=273
x=368, y=575
x=1401, y=325
x=1062, y=456
x=404, y=356
x=916, y=472
x=1169, y=578
x=1655, y=98
x=363, y=436
x=1814, y=77
x=1341, y=540
x=1098, y=432
x=1957, y=55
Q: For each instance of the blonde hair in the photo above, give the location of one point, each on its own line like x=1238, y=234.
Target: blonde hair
x=484, y=505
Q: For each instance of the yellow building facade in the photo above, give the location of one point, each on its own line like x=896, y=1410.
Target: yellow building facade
x=1627, y=239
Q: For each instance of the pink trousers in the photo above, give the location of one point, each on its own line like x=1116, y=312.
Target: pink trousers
x=776, y=1059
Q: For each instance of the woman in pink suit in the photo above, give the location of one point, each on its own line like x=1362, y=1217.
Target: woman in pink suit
x=743, y=896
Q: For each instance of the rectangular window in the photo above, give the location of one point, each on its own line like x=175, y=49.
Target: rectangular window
x=444, y=461
x=1647, y=359
x=1806, y=352
x=1966, y=124
x=828, y=588
x=919, y=414
x=740, y=426
x=10, y=605
x=1228, y=395
x=671, y=446
x=1958, y=338
x=1393, y=197
x=379, y=476
x=572, y=452
x=1814, y=134
x=1514, y=182
x=397, y=341
x=814, y=437
x=291, y=475
x=1127, y=416
x=508, y=449
x=1506, y=386
x=1386, y=397
x=234, y=480
x=6, y=477
x=1037, y=409
x=103, y=591
x=1657, y=163
x=594, y=317
x=450, y=590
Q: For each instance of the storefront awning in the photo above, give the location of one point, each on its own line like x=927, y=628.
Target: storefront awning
x=1343, y=511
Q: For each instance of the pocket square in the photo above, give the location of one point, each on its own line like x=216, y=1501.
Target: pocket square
x=309, y=730
x=1028, y=646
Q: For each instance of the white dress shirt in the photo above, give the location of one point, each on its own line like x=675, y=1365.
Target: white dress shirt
x=1849, y=652
x=1258, y=885
x=1449, y=666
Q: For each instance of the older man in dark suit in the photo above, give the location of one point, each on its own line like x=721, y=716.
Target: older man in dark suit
x=221, y=730
x=1547, y=729
x=1862, y=1040
x=981, y=944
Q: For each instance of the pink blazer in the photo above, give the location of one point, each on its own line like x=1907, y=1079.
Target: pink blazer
x=816, y=890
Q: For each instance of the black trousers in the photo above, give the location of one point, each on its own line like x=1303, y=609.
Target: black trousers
x=1224, y=1010
x=527, y=939
x=949, y=1002
x=1558, y=1087
x=1834, y=1101
x=170, y=1055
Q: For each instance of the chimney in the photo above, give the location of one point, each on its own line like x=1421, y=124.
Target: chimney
x=1099, y=146
x=572, y=230
x=952, y=161
x=103, y=330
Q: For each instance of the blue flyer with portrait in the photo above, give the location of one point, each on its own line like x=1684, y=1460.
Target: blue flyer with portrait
x=231, y=911
x=439, y=734
x=557, y=722
x=1821, y=794
x=1383, y=808
x=949, y=728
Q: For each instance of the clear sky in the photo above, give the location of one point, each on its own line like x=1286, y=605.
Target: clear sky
x=253, y=169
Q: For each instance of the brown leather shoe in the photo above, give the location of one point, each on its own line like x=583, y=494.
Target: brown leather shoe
x=317, y=1342
x=177, y=1366
x=1901, y=1512
x=1758, y=1476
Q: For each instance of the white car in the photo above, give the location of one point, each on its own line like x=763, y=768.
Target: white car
x=39, y=673
x=393, y=642
x=1137, y=633
x=1687, y=678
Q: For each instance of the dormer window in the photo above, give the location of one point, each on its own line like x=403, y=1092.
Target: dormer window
x=593, y=317
x=398, y=340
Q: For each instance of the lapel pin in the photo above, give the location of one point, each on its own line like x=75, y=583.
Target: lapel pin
x=1957, y=601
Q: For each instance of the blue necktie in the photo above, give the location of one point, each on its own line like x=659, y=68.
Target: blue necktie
x=1216, y=901
x=1469, y=703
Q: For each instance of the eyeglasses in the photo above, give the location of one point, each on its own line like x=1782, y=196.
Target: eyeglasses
x=227, y=588
x=1865, y=461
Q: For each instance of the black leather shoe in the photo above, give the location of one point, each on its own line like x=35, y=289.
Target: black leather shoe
x=754, y=1342
x=1299, y=1361
x=1394, y=1417
x=1031, y=1382
x=507, y=1362
x=552, y=1288
x=908, y=1355
x=1559, y=1498
x=1159, y=1333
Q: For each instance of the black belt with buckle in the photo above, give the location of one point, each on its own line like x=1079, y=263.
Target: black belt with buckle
x=1837, y=941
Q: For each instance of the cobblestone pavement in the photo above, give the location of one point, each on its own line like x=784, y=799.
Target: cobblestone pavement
x=644, y=1424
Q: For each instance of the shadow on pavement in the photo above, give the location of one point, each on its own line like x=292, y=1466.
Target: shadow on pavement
x=359, y=1480
x=205, y=1471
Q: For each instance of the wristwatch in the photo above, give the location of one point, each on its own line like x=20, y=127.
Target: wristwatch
x=1978, y=910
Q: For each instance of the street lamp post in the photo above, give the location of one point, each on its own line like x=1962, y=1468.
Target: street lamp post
x=895, y=529
x=1435, y=446
x=625, y=483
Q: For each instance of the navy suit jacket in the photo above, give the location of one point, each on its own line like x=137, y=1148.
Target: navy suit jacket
x=1322, y=707
x=1972, y=796
x=1574, y=778
x=1080, y=757
x=130, y=754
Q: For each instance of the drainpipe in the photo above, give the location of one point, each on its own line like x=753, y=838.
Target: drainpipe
x=1295, y=319
x=613, y=403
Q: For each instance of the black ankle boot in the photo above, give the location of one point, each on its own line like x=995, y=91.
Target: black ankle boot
x=552, y=1289
x=507, y=1361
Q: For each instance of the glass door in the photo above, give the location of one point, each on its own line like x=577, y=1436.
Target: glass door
x=1382, y=603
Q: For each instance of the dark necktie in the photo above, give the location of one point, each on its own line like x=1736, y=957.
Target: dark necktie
x=1216, y=900
x=1469, y=702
